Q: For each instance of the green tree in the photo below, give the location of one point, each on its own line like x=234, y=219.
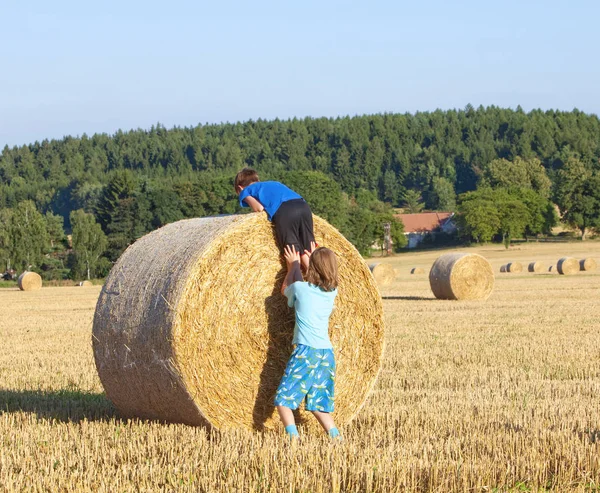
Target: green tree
x=576, y=196
x=443, y=197
x=55, y=228
x=28, y=236
x=519, y=173
x=413, y=202
x=5, y=240
x=89, y=242
x=479, y=218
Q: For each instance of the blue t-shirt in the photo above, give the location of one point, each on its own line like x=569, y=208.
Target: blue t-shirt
x=313, y=309
x=271, y=194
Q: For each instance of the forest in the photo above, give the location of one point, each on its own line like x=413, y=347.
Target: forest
x=501, y=169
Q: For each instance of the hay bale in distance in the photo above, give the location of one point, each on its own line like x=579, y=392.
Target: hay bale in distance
x=461, y=276
x=85, y=284
x=514, y=267
x=190, y=325
x=552, y=269
x=503, y=268
x=567, y=266
x=417, y=270
x=587, y=264
x=535, y=267
x=29, y=281
x=383, y=273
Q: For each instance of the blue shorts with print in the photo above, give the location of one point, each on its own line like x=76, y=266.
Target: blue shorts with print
x=310, y=374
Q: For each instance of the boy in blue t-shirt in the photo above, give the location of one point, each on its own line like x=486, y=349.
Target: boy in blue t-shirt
x=288, y=211
x=310, y=372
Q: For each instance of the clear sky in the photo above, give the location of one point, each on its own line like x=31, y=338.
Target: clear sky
x=73, y=67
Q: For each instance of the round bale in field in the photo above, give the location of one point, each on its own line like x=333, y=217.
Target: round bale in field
x=417, y=270
x=383, y=273
x=503, y=268
x=567, y=266
x=587, y=264
x=552, y=269
x=29, y=281
x=85, y=284
x=514, y=267
x=461, y=276
x=536, y=267
x=191, y=327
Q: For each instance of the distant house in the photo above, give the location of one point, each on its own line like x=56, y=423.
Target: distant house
x=418, y=226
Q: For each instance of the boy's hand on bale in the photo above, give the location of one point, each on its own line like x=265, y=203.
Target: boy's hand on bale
x=291, y=255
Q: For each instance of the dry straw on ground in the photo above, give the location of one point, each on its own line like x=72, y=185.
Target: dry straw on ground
x=417, y=270
x=587, y=264
x=191, y=327
x=567, y=266
x=461, y=276
x=85, y=284
x=536, y=267
x=384, y=274
x=29, y=281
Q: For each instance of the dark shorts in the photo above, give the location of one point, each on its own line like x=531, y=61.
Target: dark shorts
x=294, y=225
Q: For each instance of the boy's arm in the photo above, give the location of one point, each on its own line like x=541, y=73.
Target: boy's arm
x=294, y=274
x=254, y=204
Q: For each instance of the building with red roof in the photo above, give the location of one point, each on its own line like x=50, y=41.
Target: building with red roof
x=418, y=226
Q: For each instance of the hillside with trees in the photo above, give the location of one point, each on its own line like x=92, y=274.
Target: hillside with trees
x=501, y=168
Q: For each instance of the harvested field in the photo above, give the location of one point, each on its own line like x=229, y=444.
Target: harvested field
x=473, y=395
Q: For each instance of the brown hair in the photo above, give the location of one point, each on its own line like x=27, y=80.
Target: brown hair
x=322, y=270
x=245, y=178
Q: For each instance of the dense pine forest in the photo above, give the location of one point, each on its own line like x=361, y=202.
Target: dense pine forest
x=502, y=169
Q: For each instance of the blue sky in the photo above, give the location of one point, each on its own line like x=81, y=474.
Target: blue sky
x=69, y=67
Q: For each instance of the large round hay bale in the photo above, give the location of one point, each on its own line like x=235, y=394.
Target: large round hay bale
x=514, y=267
x=567, y=266
x=535, y=267
x=29, y=281
x=190, y=325
x=461, y=276
x=417, y=270
x=587, y=264
x=383, y=273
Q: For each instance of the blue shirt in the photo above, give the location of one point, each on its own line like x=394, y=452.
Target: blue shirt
x=271, y=194
x=313, y=309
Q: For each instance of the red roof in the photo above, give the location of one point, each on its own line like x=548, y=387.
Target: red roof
x=423, y=222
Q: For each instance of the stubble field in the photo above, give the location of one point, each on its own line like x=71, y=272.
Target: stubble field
x=501, y=395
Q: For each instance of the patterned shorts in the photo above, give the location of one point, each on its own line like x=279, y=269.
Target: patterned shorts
x=310, y=374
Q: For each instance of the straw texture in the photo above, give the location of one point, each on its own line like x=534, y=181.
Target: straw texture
x=536, y=267
x=29, y=281
x=417, y=270
x=587, y=264
x=190, y=326
x=383, y=273
x=567, y=266
x=461, y=276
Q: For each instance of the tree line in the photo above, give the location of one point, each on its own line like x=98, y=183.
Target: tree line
x=501, y=168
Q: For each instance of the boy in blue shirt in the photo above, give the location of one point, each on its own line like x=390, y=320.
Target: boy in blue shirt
x=288, y=211
x=310, y=372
